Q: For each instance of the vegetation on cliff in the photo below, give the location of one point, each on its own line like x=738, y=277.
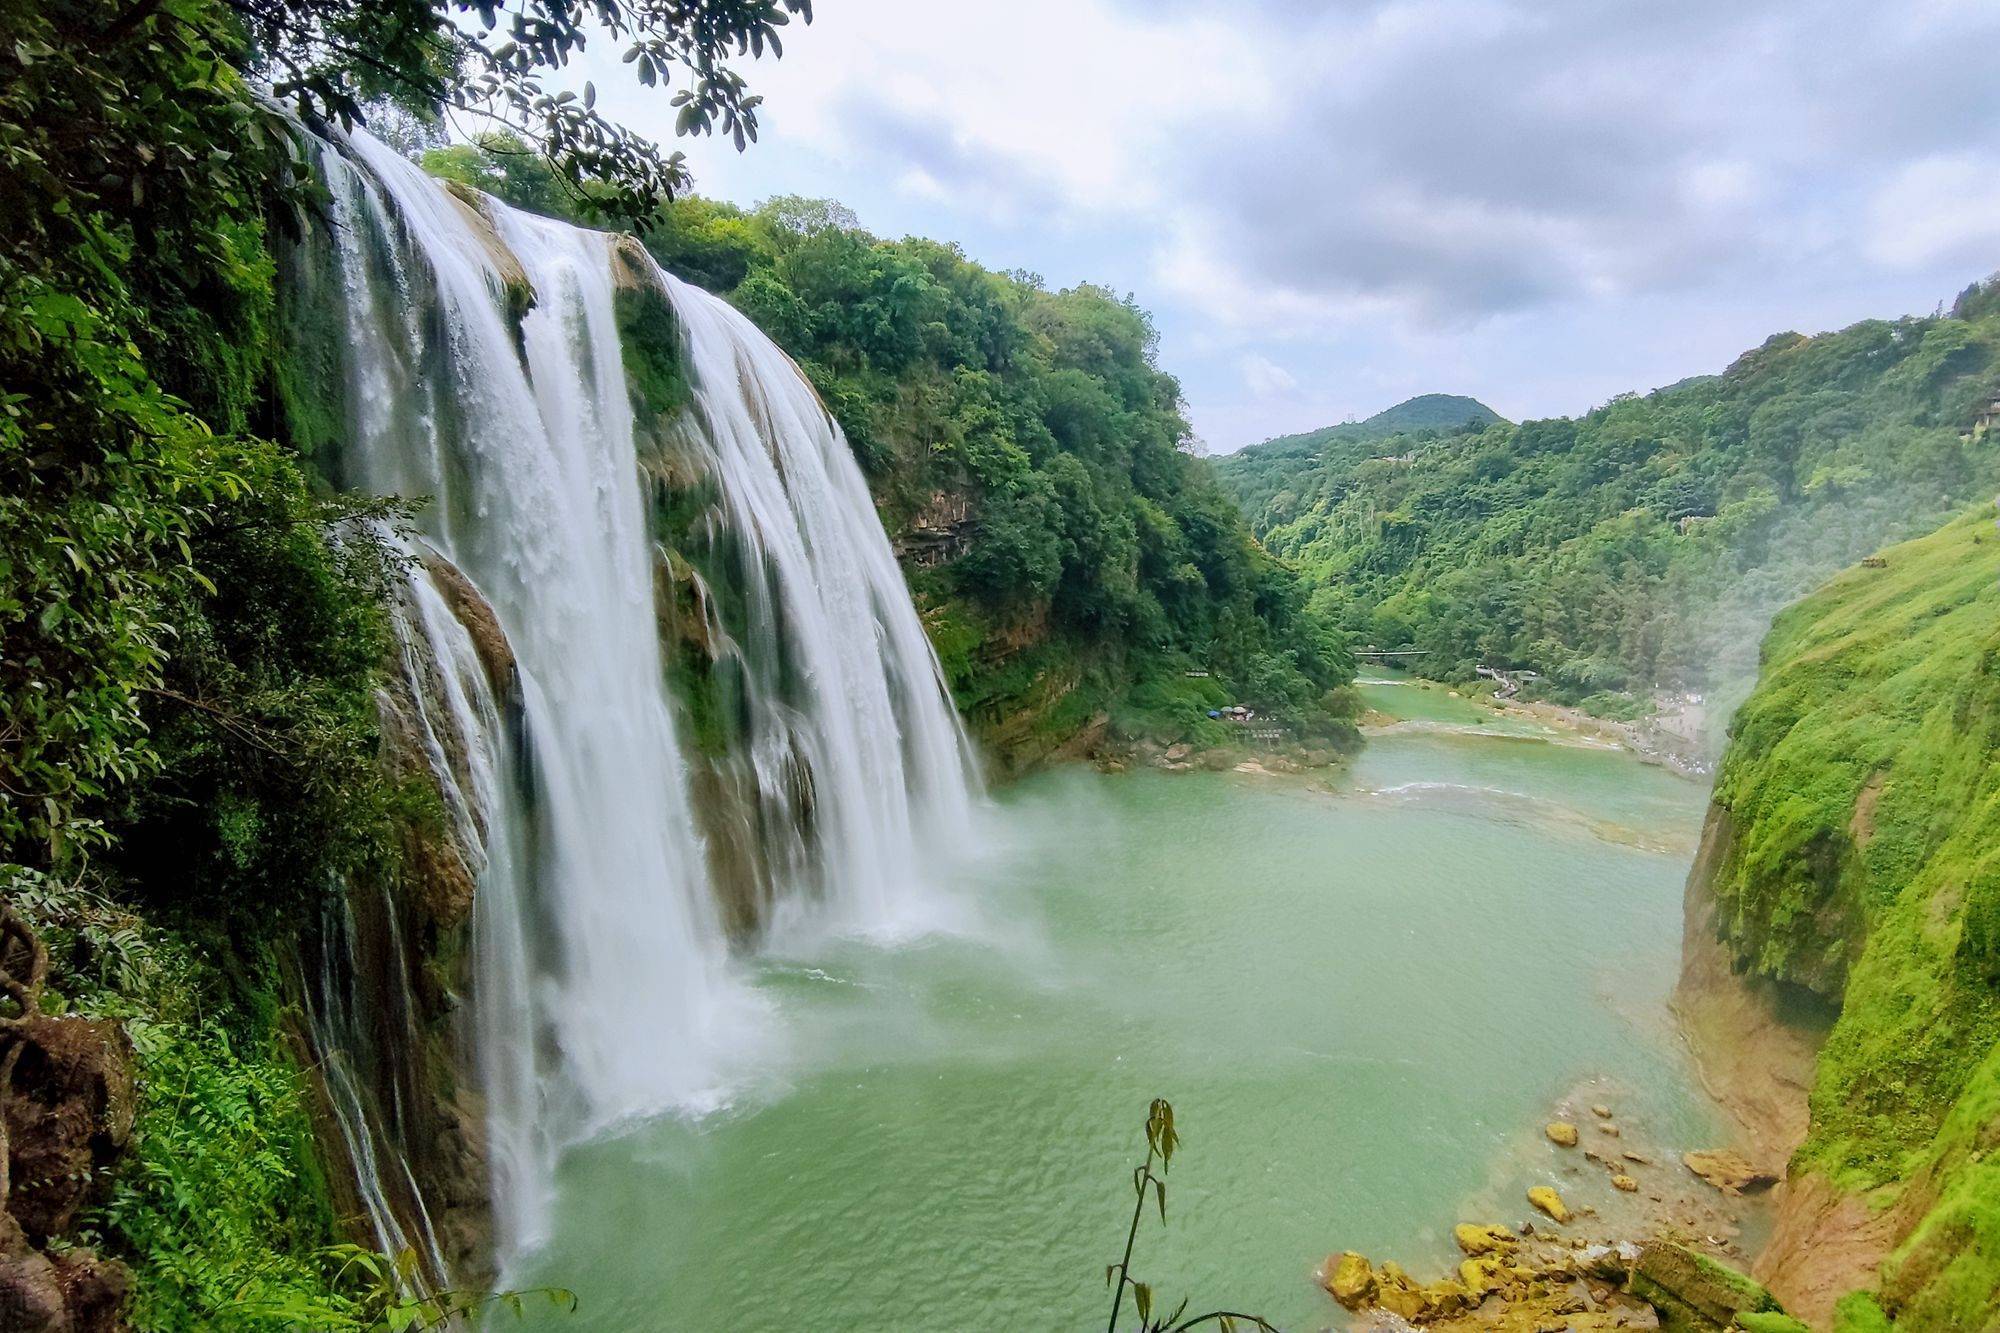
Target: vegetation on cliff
x=1861, y=809
x=1645, y=543
x=192, y=631
x=1028, y=456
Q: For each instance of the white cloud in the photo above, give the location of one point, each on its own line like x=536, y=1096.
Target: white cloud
x=1944, y=208
x=1265, y=378
x=1397, y=191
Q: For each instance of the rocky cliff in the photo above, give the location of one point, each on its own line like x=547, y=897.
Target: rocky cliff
x=1849, y=888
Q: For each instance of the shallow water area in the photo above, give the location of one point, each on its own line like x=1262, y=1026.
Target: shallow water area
x=1363, y=994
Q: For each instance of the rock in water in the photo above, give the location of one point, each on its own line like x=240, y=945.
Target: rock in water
x=1561, y=1133
x=1545, y=1198
x=1350, y=1280
x=1625, y=1183
x=1730, y=1172
x=1476, y=1240
x=1601, y=1111
x=1482, y=1276
x=1693, y=1291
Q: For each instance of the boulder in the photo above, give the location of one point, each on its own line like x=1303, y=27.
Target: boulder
x=1693, y=1292
x=1179, y=751
x=1397, y=1293
x=1730, y=1172
x=68, y=1110
x=1548, y=1201
x=1601, y=1111
x=1476, y=1240
x=31, y=1296
x=1350, y=1280
x=1625, y=1183
x=1608, y=1128
x=96, y=1291
x=1561, y=1133
x=1483, y=1276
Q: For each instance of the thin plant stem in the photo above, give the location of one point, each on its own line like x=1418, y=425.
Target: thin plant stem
x=1131, y=1236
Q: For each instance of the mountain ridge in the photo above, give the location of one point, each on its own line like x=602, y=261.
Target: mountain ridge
x=1442, y=412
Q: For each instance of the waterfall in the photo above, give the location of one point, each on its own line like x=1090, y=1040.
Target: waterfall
x=604, y=984
x=837, y=669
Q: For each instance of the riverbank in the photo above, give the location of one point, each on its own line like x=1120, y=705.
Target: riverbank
x=1626, y=1228
x=1671, y=738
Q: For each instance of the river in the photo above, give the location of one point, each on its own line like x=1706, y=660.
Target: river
x=1364, y=994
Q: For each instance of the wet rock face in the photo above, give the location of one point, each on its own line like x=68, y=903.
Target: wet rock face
x=386, y=980
x=474, y=612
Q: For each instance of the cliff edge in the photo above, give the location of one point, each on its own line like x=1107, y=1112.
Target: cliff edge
x=1846, y=908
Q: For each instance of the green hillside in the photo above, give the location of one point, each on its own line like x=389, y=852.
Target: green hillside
x=1646, y=543
x=1254, y=474
x=1859, y=807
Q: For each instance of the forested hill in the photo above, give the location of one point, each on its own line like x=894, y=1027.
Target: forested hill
x=1646, y=543
x=1072, y=558
x=1256, y=473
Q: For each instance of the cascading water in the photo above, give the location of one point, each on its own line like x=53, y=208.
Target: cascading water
x=601, y=974
x=839, y=679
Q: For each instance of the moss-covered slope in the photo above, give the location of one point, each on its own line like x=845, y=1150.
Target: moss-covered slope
x=1864, y=801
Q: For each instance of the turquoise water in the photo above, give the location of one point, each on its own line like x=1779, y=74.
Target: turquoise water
x=1363, y=996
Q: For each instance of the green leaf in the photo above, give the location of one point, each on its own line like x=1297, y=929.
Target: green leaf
x=1142, y=1296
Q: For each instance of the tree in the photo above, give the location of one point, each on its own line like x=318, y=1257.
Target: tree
x=492, y=62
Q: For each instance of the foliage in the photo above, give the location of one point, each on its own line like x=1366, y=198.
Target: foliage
x=1097, y=552
x=219, y=1207
x=1161, y=1141
x=493, y=62
x=126, y=187
x=189, y=636
x=1646, y=544
x=1863, y=813
x=218, y=1202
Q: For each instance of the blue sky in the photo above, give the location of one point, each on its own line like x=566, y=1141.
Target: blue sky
x=1329, y=207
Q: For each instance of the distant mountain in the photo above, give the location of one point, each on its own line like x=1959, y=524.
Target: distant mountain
x=1253, y=473
x=1441, y=412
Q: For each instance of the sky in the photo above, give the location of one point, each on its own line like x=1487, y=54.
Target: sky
x=1330, y=207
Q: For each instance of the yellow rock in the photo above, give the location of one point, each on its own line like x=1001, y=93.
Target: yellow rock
x=1477, y=1240
x=1626, y=1183
x=1396, y=1293
x=1550, y=1202
x=1562, y=1133
x=1448, y=1298
x=1482, y=1276
x=1350, y=1280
